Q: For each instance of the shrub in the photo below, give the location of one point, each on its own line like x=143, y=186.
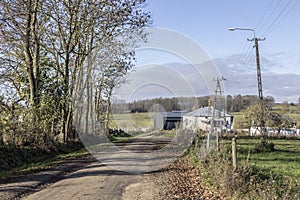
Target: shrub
x=263, y=147
x=246, y=181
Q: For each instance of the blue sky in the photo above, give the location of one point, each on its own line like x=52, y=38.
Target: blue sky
x=207, y=22
x=165, y=70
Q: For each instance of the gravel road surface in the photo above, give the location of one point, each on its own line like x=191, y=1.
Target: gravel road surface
x=128, y=174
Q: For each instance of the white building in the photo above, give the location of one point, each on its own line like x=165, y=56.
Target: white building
x=201, y=119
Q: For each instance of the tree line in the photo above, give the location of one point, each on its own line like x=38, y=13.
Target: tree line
x=233, y=103
x=52, y=52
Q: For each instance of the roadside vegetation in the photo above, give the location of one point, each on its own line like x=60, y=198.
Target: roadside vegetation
x=16, y=161
x=58, y=81
x=264, y=175
x=283, y=161
x=47, y=91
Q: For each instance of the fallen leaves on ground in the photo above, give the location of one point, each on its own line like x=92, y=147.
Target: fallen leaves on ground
x=181, y=180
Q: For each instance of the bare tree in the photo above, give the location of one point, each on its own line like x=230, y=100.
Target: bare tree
x=251, y=117
x=44, y=45
x=280, y=121
x=22, y=26
x=80, y=27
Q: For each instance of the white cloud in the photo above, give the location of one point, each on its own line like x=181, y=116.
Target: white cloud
x=176, y=79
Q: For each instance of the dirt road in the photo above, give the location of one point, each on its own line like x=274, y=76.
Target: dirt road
x=96, y=181
x=128, y=173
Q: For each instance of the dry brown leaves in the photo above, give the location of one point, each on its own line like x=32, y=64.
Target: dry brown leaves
x=183, y=181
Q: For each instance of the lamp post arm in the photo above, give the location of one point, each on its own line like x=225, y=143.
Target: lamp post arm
x=243, y=29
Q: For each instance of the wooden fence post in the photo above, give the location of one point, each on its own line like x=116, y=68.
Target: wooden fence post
x=234, y=153
x=208, y=141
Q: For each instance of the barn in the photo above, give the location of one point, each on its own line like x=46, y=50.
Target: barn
x=168, y=120
x=201, y=119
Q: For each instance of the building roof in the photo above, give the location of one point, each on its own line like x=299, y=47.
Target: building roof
x=206, y=112
x=173, y=114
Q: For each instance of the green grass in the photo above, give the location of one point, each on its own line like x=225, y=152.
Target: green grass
x=120, y=139
x=275, y=174
x=238, y=119
x=34, y=161
x=284, y=161
x=132, y=120
x=291, y=110
x=53, y=161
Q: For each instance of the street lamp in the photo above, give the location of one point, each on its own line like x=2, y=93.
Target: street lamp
x=260, y=93
x=242, y=29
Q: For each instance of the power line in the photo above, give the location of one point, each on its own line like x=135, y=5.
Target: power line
x=244, y=60
x=270, y=15
x=245, y=57
x=279, y=20
x=240, y=58
x=246, y=54
x=277, y=17
x=264, y=15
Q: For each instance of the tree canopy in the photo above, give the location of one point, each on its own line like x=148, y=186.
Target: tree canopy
x=45, y=47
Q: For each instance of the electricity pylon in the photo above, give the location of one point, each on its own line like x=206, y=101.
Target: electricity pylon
x=219, y=104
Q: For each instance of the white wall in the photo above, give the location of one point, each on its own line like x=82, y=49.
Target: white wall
x=191, y=122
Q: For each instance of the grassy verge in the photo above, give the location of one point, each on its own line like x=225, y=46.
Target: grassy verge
x=284, y=161
x=17, y=161
x=117, y=139
x=258, y=176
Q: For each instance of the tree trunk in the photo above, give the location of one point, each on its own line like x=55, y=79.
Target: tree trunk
x=31, y=62
x=36, y=53
x=65, y=110
x=108, y=109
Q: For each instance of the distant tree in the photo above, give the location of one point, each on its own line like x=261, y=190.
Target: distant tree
x=280, y=121
x=203, y=101
x=229, y=103
x=285, y=107
x=269, y=102
x=251, y=117
x=249, y=100
x=237, y=103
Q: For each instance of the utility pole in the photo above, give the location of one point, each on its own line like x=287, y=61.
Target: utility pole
x=260, y=92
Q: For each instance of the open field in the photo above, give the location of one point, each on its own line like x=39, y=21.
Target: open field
x=291, y=110
x=284, y=161
x=132, y=120
x=145, y=120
